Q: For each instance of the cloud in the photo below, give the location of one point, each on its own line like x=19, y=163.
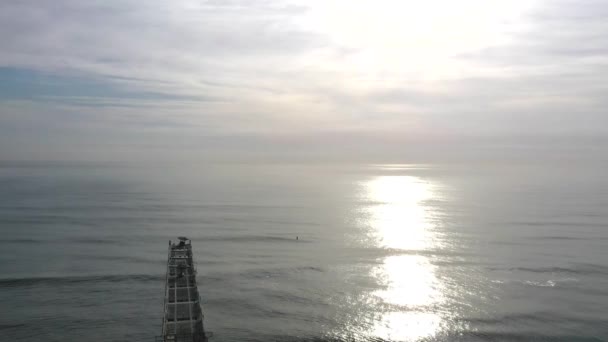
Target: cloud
x=387, y=73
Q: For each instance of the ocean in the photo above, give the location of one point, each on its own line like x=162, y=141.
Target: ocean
x=303, y=252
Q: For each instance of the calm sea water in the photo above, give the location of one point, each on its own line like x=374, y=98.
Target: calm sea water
x=383, y=252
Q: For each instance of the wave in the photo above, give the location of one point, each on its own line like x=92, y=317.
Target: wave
x=84, y=240
x=245, y=305
x=288, y=297
x=96, y=241
x=11, y=326
x=549, y=283
x=120, y=242
x=251, y=238
x=580, y=269
x=467, y=336
x=120, y=258
x=567, y=238
x=556, y=224
x=278, y=272
x=54, y=281
x=281, y=222
x=515, y=337
x=26, y=241
x=546, y=270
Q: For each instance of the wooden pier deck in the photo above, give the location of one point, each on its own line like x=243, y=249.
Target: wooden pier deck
x=183, y=316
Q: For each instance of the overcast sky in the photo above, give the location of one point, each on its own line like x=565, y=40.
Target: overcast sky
x=300, y=79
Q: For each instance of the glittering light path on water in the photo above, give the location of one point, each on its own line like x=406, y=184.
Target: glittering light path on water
x=398, y=219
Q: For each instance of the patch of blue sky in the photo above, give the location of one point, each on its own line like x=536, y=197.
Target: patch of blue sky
x=34, y=85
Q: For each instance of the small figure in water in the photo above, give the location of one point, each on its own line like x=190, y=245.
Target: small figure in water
x=296, y=237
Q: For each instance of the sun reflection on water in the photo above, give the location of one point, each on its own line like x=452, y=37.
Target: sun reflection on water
x=406, y=326
x=410, y=281
x=399, y=219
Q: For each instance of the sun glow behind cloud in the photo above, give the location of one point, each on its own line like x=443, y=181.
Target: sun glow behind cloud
x=419, y=38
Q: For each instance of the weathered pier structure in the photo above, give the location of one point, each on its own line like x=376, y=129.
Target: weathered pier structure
x=183, y=316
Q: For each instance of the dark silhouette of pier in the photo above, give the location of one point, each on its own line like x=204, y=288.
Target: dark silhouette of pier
x=183, y=316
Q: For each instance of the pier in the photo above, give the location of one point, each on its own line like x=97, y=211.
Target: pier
x=183, y=316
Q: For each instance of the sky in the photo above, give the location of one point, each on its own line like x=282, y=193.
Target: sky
x=382, y=80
